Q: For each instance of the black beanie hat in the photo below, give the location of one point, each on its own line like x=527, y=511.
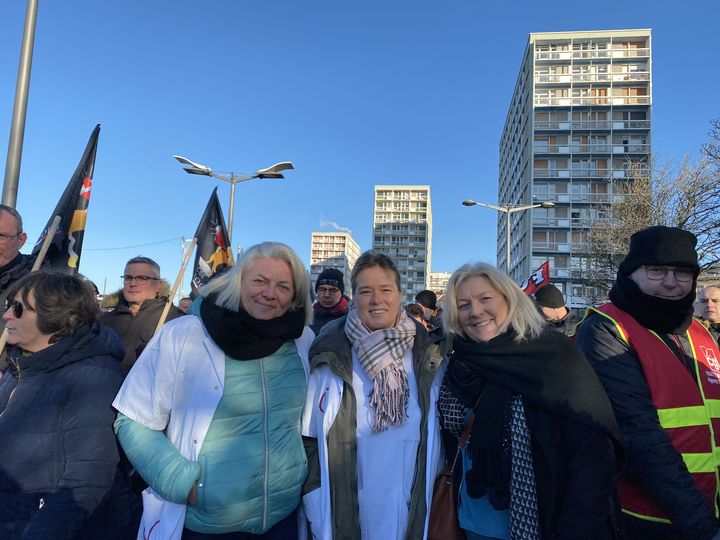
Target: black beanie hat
x=665, y=246
x=549, y=296
x=427, y=298
x=332, y=277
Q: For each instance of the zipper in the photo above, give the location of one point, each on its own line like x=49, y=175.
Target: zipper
x=9, y=400
x=267, y=444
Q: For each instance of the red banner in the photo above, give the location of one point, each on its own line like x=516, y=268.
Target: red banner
x=537, y=279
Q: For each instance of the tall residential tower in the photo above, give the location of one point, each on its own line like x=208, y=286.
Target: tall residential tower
x=333, y=250
x=402, y=229
x=579, y=117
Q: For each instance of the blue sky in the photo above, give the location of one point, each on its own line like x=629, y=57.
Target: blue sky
x=355, y=94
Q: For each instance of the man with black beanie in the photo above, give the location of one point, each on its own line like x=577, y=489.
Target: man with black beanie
x=331, y=301
x=551, y=304
x=661, y=371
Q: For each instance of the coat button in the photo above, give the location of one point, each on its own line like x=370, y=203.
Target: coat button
x=217, y=387
x=195, y=441
x=200, y=484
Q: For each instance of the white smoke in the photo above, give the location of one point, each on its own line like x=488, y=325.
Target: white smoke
x=334, y=225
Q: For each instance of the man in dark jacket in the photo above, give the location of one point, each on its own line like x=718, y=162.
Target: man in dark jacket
x=331, y=301
x=139, y=308
x=551, y=304
x=13, y=264
x=661, y=372
x=711, y=309
x=433, y=313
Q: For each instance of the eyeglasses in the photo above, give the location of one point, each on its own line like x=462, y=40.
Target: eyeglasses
x=658, y=273
x=17, y=308
x=5, y=238
x=140, y=279
x=328, y=290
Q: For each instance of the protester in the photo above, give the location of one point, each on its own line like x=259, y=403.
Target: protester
x=551, y=304
x=433, y=313
x=184, y=304
x=416, y=312
x=139, y=308
x=13, y=264
x=660, y=369
x=58, y=471
x=711, y=309
x=372, y=437
x=331, y=301
x=210, y=413
x=540, y=460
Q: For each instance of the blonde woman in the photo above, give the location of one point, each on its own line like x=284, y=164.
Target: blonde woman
x=540, y=460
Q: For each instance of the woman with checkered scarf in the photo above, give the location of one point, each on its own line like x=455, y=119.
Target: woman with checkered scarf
x=369, y=425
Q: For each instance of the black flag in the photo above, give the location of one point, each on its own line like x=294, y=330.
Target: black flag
x=65, y=249
x=214, y=254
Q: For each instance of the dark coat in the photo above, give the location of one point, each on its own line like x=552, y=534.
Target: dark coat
x=59, y=454
x=135, y=331
x=651, y=458
x=323, y=316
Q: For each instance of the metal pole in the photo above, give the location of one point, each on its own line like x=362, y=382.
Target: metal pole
x=232, y=210
x=17, y=127
x=507, y=215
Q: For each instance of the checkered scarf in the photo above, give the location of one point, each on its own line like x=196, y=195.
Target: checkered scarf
x=380, y=353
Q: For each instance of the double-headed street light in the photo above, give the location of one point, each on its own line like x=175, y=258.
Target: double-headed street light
x=509, y=209
x=273, y=171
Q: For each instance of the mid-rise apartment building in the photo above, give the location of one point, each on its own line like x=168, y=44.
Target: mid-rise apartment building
x=579, y=118
x=333, y=250
x=402, y=229
x=438, y=282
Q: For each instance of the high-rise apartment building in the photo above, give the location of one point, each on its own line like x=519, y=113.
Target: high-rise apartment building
x=402, y=229
x=333, y=250
x=578, y=120
x=438, y=282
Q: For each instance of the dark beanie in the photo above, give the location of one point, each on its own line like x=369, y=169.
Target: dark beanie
x=549, y=296
x=427, y=299
x=663, y=246
x=332, y=277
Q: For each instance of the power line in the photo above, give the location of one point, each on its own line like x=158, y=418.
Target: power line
x=174, y=239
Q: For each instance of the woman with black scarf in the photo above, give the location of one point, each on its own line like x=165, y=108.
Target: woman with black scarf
x=210, y=413
x=543, y=447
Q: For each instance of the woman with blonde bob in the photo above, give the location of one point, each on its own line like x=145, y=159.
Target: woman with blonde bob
x=210, y=413
x=543, y=440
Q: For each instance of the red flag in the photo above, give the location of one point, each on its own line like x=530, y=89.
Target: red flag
x=537, y=279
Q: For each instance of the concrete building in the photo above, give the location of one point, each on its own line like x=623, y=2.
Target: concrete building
x=333, y=250
x=402, y=229
x=438, y=282
x=579, y=117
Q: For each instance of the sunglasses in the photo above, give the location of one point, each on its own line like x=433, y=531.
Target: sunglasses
x=17, y=308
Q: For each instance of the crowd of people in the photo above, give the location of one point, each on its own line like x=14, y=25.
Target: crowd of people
x=254, y=412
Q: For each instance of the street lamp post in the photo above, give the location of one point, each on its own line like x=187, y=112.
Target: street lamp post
x=273, y=171
x=509, y=209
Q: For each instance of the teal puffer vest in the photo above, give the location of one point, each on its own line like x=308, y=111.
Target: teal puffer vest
x=252, y=460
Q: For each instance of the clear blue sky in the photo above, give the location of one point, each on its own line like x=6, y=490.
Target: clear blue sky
x=354, y=93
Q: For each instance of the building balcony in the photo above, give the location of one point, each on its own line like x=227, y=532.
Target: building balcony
x=579, y=173
x=567, y=125
x=572, y=148
x=631, y=53
x=590, y=101
x=552, y=247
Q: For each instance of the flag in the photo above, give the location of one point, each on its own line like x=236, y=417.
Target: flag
x=65, y=249
x=214, y=253
x=539, y=278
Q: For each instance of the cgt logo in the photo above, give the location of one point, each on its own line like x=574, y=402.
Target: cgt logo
x=710, y=358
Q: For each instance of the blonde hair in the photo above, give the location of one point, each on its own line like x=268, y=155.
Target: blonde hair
x=227, y=286
x=522, y=317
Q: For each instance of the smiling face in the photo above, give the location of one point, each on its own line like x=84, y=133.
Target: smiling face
x=482, y=310
x=377, y=298
x=267, y=288
x=668, y=287
x=136, y=291
x=23, y=331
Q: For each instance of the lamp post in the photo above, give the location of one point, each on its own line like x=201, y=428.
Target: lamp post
x=273, y=171
x=509, y=209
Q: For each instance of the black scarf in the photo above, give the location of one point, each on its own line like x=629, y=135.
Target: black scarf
x=659, y=314
x=243, y=337
x=549, y=372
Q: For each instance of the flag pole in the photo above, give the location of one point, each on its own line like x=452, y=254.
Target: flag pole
x=174, y=289
x=36, y=265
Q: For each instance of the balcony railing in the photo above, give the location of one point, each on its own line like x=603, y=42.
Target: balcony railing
x=593, y=124
x=579, y=173
x=590, y=54
x=579, y=101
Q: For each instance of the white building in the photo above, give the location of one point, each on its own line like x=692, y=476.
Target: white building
x=333, y=250
x=438, y=282
x=402, y=229
x=579, y=116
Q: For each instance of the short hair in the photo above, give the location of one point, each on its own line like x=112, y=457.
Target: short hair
x=368, y=260
x=145, y=260
x=14, y=213
x=63, y=302
x=228, y=285
x=523, y=317
x=415, y=310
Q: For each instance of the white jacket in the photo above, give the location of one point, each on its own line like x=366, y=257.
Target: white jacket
x=175, y=386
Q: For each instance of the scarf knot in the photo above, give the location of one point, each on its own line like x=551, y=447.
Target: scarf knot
x=380, y=353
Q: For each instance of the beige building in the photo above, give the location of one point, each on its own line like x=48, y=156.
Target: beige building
x=579, y=117
x=333, y=250
x=402, y=229
x=438, y=282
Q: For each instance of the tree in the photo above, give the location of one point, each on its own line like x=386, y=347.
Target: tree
x=687, y=197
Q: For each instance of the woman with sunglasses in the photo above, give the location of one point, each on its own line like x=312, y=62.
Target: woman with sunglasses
x=58, y=468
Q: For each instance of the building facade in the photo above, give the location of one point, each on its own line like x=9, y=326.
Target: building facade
x=438, y=282
x=579, y=121
x=402, y=229
x=333, y=250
